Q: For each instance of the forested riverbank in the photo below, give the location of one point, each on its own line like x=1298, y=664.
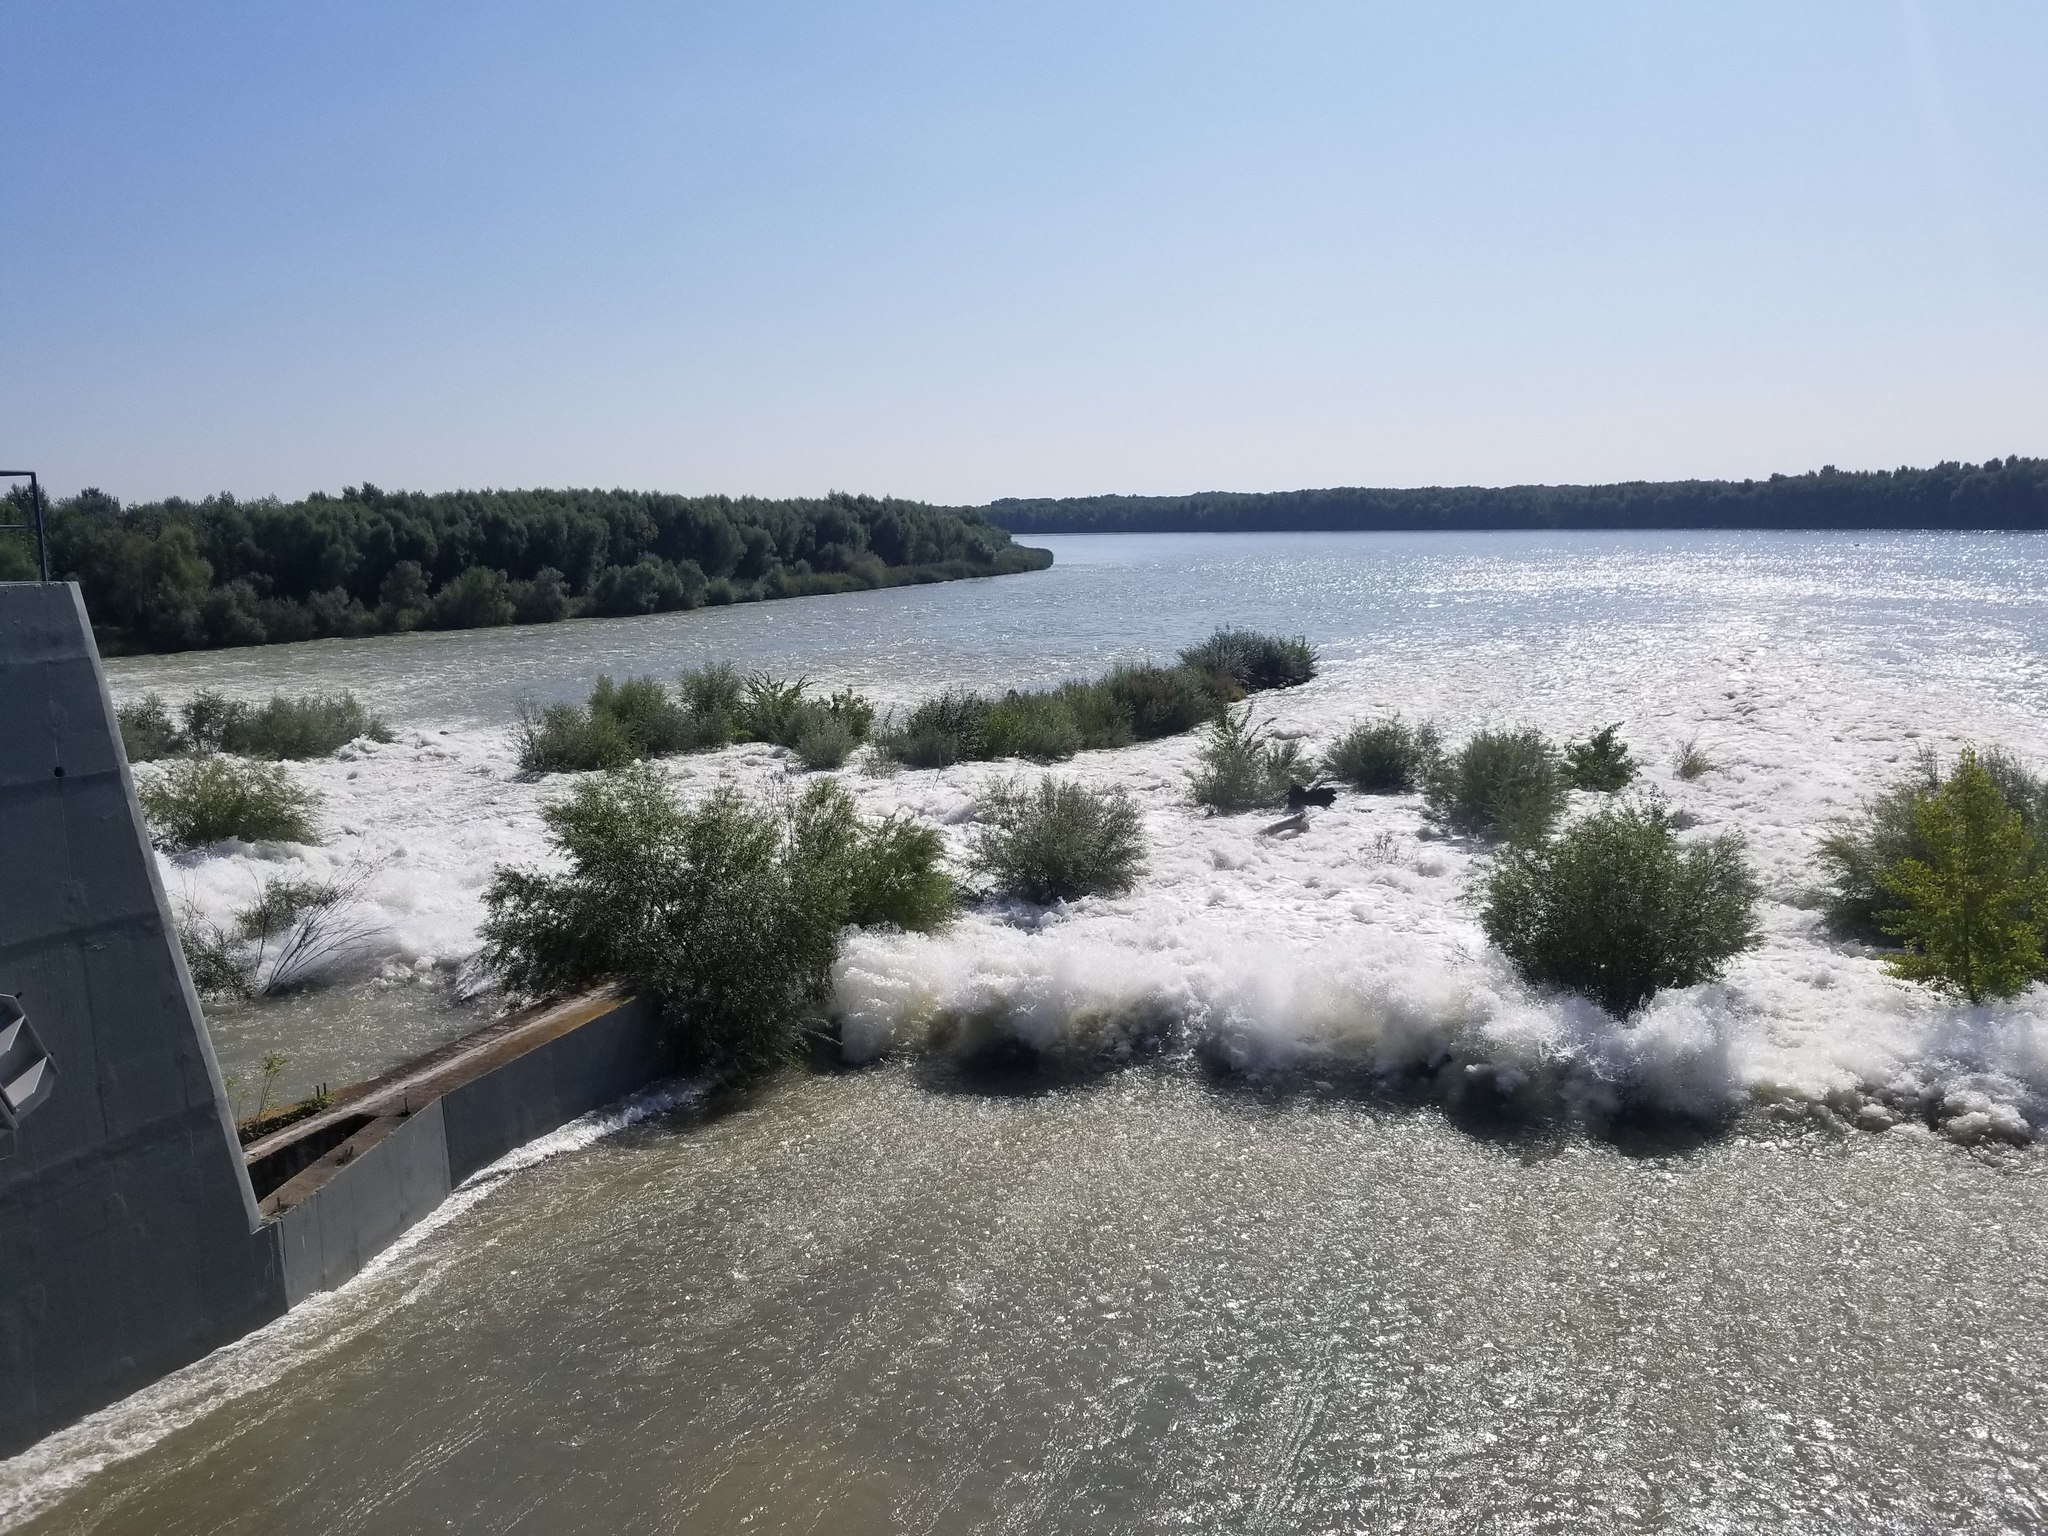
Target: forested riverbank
x=2007, y=493
x=180, y=575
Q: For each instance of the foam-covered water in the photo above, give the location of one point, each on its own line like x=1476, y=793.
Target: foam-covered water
x=1810, y=668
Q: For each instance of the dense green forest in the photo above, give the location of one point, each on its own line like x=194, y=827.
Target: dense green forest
x=2000, y=493
x=179, y=575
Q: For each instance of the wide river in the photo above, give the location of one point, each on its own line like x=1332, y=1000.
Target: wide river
x=1772, y=1258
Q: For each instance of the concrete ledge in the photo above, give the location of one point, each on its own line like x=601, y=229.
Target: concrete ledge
x=343, y=1185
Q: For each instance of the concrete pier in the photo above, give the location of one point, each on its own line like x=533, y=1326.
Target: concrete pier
x=133, y=1238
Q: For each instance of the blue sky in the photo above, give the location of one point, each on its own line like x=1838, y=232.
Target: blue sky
x=963, y=251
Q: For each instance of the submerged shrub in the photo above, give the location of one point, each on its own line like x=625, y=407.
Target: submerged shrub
x=1857, y=851
x=1058, y=840
x=197, y=801
x=1039, y=726
x=283, y=726
x=1383, y=757
x=941, y=731
x=147, y=730
x=1617, y=909
x=1973, y=901
x=1689, y=762
x=1251, y=660
x=1243, y=768
x=1601, y=762
x=1500, y=784
x=1163, y=701
x=725, y=913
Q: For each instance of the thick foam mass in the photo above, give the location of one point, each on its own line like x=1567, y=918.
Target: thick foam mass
x=1354, y=946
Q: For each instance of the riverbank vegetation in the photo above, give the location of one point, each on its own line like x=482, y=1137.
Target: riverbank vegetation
x=1601, y=762
x=195, y=802
x=1129, y=704
x=1998, y=493
x=180, y=575
x=283, y=726
x=1057, y=840
x=726, y=913
x=710, y=707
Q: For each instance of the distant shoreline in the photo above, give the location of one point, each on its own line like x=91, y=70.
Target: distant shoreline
x=1998, y=495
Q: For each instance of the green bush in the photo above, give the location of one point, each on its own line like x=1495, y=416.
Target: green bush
x=1163, y=701
x=198, y=801
x=951, y=728
x=1500, y=784
x=1601, y=762
x=480, y=598
x=713, y=697
x=824, y=740
x=1617, y=909
x=771, y=709
x=147, y=730
x=726, y=913
x=1857, y=851
x=1383, y=757
x=1039, y=726
x=1972, y=903
x=646, y=715
x=1251, y=660
x=1058, y=841
x=1099, y=715
x=1243, y=768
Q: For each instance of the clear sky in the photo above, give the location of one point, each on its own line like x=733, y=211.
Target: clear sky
x=964, y=250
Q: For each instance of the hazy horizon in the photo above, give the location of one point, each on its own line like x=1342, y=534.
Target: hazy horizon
x=961, y=256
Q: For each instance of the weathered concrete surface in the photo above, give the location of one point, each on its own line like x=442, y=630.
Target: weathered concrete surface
x=126, y=1216
x=131, y=1238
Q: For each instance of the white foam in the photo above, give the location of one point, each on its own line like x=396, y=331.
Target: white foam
x=1355, y=941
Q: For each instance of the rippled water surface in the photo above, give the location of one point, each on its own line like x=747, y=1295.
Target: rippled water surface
x=891, y=1299
x=874, y=1304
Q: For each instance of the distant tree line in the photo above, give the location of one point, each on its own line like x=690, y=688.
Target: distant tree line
x=179, y=575
x=1999, y=493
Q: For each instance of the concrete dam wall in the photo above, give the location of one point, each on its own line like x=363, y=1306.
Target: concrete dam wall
x=135, y=1232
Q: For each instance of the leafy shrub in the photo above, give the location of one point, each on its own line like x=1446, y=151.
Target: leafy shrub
x=646, y=715
x=198, y=801
x=309, y=725
x=147, y=730
x=941, y=731
x=712, y=696
x=1601, y=762
x=771, y=709
x=1858, y=850
x=1058, y=841
x=1251, y=660
x=277, y=942
x=1383, y=757
x=561, y=738
x=1099, y=715
x=1615, y=908
x=1500, y=784
x=1243, y=768
x=1972, y=901
x=725, y=913
x=824, y=740
x=1162, y=701
x=1039, y=726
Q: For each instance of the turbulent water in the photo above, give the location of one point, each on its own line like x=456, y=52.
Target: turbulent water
x=1381, y=1240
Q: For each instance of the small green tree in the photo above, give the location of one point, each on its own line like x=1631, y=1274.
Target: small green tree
x=1972, y=908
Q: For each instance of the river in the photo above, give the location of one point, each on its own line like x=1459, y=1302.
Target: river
x=1258, y=1284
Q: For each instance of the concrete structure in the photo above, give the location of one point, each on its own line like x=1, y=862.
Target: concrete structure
x=135, y=1234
